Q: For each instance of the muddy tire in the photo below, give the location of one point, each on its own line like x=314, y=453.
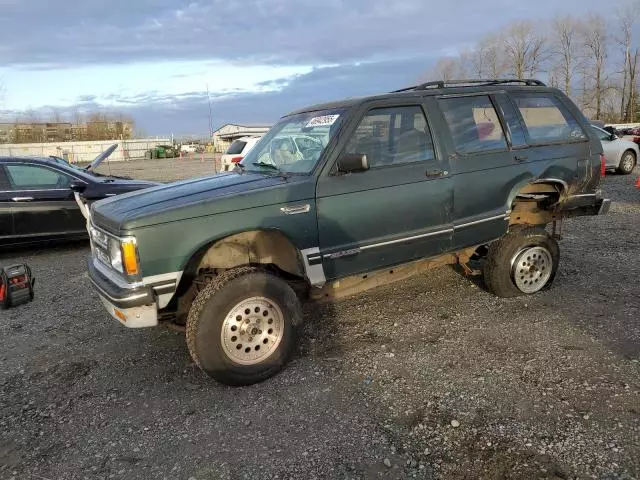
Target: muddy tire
x=627, y=163
x=523, y=262
x=242, y=326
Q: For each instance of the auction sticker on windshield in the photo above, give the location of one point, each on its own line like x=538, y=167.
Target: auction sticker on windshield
x=324, y=120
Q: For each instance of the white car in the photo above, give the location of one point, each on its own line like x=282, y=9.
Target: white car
x=237, y=151
x=621, y=155
x=189, y=148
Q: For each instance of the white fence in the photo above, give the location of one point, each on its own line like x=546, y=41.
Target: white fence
x=75, y=152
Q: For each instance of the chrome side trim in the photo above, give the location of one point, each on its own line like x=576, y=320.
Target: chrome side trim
x=502, y=216
x=406, y=239
x=315, y=273
x=583, y=195
x=296, y=210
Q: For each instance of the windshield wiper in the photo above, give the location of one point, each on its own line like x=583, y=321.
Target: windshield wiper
x=272, y=167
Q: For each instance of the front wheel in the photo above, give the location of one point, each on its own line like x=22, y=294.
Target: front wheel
x=522, y=262
x=241, y=327
x=627, y=163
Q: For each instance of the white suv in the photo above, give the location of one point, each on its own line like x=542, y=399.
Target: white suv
x=237, y=151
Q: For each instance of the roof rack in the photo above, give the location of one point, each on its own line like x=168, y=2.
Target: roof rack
x=474, y=82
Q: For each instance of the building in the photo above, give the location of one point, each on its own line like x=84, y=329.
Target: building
x=226, y=134
x=40, y=132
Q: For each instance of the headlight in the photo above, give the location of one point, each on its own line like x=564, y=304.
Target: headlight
x=115, y=254
x=120, y=254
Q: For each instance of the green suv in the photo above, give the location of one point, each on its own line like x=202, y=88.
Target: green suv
x=340, y=197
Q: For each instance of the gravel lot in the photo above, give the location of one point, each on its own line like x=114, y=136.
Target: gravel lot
x=427, y=378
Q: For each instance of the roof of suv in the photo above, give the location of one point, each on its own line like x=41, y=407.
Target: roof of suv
x=435, y=88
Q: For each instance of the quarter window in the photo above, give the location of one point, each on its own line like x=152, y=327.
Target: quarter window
x=23, y=176
x=393, y=136
x=473, y=123
x=546, y=119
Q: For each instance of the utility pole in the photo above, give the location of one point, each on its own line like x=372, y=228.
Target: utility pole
x=210, y=117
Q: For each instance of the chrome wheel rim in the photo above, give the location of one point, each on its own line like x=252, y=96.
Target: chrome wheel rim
x=627, y=162
x=252, y=331
x=531, y=269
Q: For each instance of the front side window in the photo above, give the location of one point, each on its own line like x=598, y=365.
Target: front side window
x=473, y=123
x=546, y=119
x=296, y=143
x=392, y=136
x=31, y=176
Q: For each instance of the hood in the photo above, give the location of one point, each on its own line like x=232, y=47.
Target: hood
x=100, y=158
x=194, y=198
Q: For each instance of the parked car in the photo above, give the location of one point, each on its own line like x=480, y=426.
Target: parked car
x=237, y=151
x=440, y=173
x=37, y=200
x=189, y=148
x=620, y=154
x=631, y=134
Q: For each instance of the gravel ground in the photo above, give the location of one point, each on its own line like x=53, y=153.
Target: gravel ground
x=427, y=378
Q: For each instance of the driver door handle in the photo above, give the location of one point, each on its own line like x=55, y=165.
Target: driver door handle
x=22, y=199
x=436, y=173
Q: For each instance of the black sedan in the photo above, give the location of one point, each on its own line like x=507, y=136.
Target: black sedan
x=37, y=200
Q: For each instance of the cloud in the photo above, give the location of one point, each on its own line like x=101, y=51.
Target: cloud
x=72, y=32
x=188, y=113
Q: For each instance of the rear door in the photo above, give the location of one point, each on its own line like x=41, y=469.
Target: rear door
x=484, y=163
x=6, y=213
x=43, y=204
x=559, y=147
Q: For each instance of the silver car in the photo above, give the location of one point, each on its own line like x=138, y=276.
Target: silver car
x=620, y=154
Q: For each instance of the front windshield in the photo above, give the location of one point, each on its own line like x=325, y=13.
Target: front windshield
x=296, y=143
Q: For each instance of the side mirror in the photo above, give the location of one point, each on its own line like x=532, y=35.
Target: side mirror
x=353, y=162
x=613, y=137
x=78, y=187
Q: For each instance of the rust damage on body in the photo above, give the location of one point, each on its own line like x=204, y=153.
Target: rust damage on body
x=261, y=247
x=356, y=284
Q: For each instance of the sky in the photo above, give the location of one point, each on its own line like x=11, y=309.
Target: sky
x=259, y=59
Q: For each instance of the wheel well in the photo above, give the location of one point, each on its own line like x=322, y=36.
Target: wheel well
x=270, y=248
x=532, y=204
x=629, y=150
x=259, y=247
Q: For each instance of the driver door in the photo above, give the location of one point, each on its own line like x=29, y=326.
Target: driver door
x=42, y=202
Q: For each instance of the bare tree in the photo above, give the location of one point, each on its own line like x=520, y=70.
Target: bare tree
x=445, y=69
x=595, y=39
x=489, y=59
x=565, y=49
x=524, y=48
x=628, y=98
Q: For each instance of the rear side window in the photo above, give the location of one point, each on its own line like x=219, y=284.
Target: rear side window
x=473, y=123
x=236, y=147
x=546, y=119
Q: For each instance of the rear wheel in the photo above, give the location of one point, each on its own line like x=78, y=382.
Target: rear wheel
x=627, y=162
x=523, y=262
x=242, y=326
